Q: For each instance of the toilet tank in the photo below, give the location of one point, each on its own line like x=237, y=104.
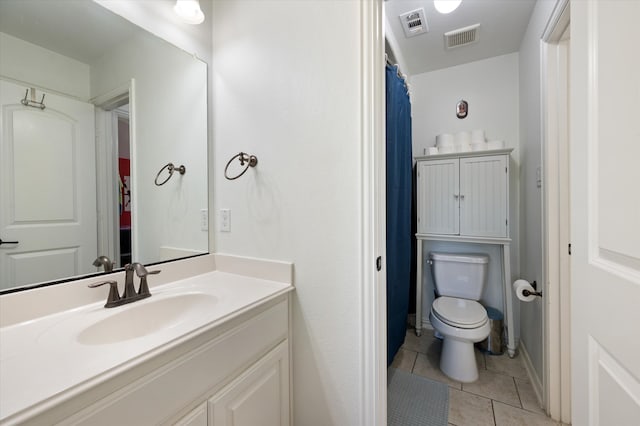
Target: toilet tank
x=459, y=275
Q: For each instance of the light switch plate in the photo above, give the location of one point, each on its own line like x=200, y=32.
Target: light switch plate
x=225, y=220
x=204, y=220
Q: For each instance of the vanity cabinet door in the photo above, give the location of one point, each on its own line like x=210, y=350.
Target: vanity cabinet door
x=483, y=196
x=259, y=396
x=197, y=417
x=438, y=197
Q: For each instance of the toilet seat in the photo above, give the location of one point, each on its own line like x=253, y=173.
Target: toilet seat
x=460, y=313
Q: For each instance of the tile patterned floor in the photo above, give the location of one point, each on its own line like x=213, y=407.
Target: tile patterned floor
x=502, y=396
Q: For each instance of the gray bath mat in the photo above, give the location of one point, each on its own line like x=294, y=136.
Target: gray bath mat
x=415, y=401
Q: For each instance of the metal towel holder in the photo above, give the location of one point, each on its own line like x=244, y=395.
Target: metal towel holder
x=251, y=161
x=171, y=168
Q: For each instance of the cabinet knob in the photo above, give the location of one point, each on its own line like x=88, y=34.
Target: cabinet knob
x=462, y=197
x=455, y=196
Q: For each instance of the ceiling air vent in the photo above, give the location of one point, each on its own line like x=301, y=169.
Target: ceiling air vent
x=461, y=37
x=414, y=23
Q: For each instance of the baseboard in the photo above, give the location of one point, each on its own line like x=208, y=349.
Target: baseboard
x=426, y=324
x=531, y=372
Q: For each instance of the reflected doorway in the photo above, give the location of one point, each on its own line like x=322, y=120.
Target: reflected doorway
x=114, y=180
x=124, y=184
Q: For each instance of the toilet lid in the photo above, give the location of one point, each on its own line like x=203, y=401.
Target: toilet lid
x=462, y=313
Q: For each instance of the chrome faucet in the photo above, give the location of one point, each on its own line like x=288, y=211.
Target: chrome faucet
x=129, y=294
x=104, y=261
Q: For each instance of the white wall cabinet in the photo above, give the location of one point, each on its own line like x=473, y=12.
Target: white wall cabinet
x=466, y=196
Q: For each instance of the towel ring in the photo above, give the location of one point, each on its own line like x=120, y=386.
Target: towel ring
x=251, y=161
x=171, y=168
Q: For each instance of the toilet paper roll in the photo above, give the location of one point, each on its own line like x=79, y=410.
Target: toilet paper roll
x=462, y=138
x=477, y=136
x=479, y=146
x=519, y=286
x=497, y=144
x=445, y=139
x=464, y=147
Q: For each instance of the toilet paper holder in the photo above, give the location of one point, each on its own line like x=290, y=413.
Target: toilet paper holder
x=533, y=293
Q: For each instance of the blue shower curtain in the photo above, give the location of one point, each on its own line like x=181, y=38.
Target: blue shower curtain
x=399, y=211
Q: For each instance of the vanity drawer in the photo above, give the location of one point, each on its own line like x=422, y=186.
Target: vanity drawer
x=191, y=378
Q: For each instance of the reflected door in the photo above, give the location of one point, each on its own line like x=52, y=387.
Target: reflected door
x=47, y=188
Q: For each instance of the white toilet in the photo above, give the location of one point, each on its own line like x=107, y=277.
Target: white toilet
x=456, y=314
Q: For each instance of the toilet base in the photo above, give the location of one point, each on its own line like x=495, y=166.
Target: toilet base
x=458, y=360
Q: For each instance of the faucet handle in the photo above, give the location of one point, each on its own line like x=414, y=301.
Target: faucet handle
x=141, y=271
x=104, y=261
x=114, y=296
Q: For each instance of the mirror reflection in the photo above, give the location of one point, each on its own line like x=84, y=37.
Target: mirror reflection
x=92, y=109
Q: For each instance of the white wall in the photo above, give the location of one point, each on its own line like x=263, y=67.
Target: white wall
x=287, y=89
x=158, y=17
x=24, y=62
x=530, y=159
x=169, y=116
x=490, y=86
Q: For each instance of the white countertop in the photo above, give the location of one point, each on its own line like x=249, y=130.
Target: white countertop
x=42, y=361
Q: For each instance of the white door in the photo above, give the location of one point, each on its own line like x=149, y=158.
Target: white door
x=47, y=188
x=484, y=189
x=605, y=187
x=438, y=190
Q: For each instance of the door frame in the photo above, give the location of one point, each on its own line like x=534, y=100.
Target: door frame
x=373, y=231
x=556, y=392
x=107, y=192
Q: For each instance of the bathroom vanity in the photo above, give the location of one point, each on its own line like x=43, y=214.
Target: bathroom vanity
x=206, y=349
x=464, y=197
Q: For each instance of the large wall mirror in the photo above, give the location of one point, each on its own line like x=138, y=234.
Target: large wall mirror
x=92, y=109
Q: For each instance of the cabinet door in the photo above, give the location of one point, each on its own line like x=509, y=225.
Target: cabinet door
x=197, y=417
x=259, y=396
x=438, y=201
x=484, y=189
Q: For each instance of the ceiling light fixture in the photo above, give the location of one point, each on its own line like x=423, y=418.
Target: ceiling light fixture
x=446, y=6
x=189, y=11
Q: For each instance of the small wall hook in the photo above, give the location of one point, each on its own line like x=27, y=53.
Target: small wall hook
x=32, y=102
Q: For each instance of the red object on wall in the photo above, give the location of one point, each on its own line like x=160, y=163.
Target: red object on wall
x=124, y=168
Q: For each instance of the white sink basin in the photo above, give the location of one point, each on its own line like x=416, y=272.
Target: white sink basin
x=143, y=318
